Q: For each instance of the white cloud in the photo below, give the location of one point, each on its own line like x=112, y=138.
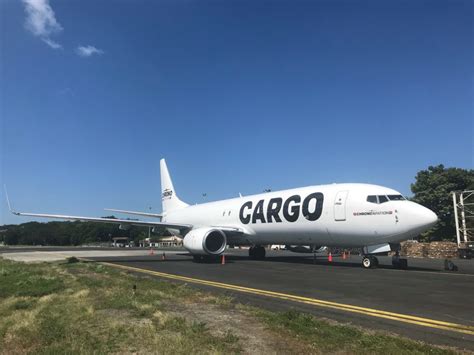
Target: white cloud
x=51, y=43
x=41, y=21
x=87, y=51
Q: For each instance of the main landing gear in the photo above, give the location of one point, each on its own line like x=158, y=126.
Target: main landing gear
x=257, y=252
x=370, y=262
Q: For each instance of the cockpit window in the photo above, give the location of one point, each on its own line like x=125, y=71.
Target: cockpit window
x=395, y=197
x=383, y=198
x=372, y=198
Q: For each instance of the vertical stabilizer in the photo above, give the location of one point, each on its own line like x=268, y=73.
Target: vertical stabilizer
x=170, y=200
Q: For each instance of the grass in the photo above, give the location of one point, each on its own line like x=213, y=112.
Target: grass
x=88, y=308
x=341, y=338
x=21, y=280
x=83, y=308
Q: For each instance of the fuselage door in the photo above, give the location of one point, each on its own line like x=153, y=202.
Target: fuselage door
x=340, y=206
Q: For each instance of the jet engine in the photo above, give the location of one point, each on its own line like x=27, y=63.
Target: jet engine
x=205, y=241
x=305, y=248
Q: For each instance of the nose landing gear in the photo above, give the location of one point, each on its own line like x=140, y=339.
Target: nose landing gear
x=370, y=262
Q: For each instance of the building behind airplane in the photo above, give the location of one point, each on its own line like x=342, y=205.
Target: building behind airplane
x=370, y=217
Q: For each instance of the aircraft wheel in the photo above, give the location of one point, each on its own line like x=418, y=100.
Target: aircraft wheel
x=376, y=261
x=399, y=263
x=369, y=262
x=257, y=252
x=403, y=264
x=260, y=253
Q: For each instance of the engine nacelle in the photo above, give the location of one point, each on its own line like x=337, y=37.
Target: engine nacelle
x=305, y=248
x=205, y=241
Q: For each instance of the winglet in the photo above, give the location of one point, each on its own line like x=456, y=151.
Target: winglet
x=8, y=201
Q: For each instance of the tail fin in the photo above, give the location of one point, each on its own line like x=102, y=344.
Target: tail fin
x=169, y=199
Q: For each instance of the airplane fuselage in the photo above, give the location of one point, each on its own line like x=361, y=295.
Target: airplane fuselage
x=331, y=215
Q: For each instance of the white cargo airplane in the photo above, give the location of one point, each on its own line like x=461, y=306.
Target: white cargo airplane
x=370, y=217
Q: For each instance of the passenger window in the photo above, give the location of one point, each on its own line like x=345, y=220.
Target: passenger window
x=382, y=198
x=372, y=198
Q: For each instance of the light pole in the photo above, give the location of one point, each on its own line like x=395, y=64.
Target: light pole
x=149, y=229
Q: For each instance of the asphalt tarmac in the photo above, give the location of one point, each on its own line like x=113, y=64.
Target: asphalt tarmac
x=424, y=302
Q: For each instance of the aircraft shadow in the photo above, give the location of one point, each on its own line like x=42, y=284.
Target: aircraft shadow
x=231, y=259
x=322, y=260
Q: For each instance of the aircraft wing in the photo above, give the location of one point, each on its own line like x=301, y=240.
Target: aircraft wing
x=108, y=220
x=179, y=226
x=236, y=231
x=147, y=214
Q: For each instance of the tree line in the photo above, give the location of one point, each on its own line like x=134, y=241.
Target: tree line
x=432, y=188
x=67, y=233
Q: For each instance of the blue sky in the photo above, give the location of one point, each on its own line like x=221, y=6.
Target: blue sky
x=238, y=96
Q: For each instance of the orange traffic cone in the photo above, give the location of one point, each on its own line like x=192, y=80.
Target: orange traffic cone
x=344, y=257
x=330, y=257
x=223, y=259
x=152, y=252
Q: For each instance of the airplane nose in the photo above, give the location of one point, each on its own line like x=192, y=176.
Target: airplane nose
x=419, y=219
x=431, y=217
x=426, y=217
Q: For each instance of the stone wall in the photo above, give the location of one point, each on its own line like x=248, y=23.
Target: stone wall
x=429, y=250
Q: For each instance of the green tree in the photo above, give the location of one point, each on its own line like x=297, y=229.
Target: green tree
x=433, y=188
x=67, y=233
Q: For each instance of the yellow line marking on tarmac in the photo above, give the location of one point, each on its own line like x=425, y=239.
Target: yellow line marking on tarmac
x=426, y=322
